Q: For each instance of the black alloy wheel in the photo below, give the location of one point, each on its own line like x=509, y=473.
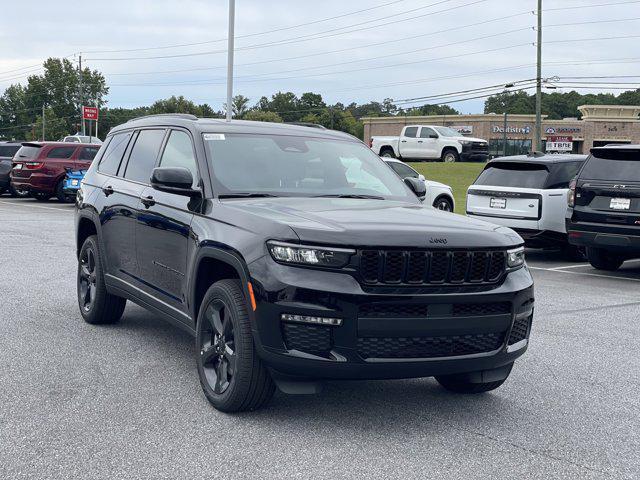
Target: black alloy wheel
x=232, y=375
x=87, y=279
x=97, y=305
x=217, y=347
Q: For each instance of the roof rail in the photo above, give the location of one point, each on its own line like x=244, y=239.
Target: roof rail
x=186, y=116
x=308, y=124
x=535, y=154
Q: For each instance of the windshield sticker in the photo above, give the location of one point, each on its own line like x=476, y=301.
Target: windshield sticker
x=213, y=136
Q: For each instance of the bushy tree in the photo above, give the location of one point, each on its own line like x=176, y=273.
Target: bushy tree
x=262, y=116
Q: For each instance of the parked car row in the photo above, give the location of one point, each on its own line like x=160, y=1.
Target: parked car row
x=40, y=169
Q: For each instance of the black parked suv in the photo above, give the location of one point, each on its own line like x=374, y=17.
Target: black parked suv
x=293, y=255
x=7, y=152
x=604, y=206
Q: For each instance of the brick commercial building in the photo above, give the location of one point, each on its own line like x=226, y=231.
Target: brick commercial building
x=600, y=125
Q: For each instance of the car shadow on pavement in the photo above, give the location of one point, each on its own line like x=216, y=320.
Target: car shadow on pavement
x=353, y=405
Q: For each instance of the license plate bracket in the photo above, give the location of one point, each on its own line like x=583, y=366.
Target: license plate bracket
x=498, y=202
x=620, y=204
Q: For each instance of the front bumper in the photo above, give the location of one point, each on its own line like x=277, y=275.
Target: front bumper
x=398, y=335
x=473, y=154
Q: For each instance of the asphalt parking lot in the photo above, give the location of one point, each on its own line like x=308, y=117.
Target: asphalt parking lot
x=79, y=401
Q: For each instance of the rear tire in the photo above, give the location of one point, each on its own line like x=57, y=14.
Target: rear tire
x=450, y=156
x=40, y=196
x=602, y=259
x=60, y=195
x=574, y=253
x=231, y=374
x=97, y=306
x=461, y=384
x=17, y=193
x=387, y=153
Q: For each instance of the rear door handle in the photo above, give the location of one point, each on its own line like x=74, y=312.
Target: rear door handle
x=107, y=190
x=419, y=141
x=403, y=141
x=148, y=201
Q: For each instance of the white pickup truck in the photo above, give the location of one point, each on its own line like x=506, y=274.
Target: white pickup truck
x=431, y=142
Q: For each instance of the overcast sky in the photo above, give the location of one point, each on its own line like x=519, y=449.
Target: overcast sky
x=446, y=53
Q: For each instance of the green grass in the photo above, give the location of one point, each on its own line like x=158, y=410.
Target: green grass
x=457, y=175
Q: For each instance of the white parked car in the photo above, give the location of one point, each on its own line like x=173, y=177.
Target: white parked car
x=82, y=139
x=431, y=142
x=528, y=193
x=438, y=194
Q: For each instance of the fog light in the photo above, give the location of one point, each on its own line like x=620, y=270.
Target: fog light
x=290, y=317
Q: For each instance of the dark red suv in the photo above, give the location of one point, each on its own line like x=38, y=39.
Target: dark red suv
x=40, y=167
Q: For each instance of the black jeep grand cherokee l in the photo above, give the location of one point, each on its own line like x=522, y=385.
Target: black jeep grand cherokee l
x=295, y=254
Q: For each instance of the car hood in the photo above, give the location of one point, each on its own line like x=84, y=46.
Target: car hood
x=359, y=222
x=432, y=183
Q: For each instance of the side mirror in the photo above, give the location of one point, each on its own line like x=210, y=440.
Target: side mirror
x=417, y=186
x=176, y=180
x=421, y=178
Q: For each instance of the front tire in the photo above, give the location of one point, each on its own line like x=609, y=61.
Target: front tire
x=462, y=384
x=231, y=374
x=450, y=156
x=604, y=260
x=60, y=195
x=443, y=203
x=97, y=306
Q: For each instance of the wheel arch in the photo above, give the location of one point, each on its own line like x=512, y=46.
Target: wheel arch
x=86, y=226
x=448, y=148
x=211, y=265
x=448, y=197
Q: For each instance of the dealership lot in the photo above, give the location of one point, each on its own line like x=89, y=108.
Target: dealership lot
x=123, y=401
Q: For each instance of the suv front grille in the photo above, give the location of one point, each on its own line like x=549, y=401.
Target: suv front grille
x=431, y=267
x=423, y=310
x=429, y=347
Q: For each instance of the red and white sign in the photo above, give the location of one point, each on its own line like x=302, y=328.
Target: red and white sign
x=559, y=144
x=89, y=113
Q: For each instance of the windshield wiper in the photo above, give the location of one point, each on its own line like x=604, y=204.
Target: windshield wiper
x=246, y=195
x=351, y=195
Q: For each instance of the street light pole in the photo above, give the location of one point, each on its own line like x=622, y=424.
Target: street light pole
x=538, y=133
x=232, y=15
x=81, y=93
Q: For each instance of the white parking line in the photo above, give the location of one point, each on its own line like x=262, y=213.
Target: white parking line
x=34, y=206
x=585, y=273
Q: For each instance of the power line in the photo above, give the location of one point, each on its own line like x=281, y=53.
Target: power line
x=269, y=61
x=473, y=90
x=253, y=34
x=579, y=7
x=304, y=38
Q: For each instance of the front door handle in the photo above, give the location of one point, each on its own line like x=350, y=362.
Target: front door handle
x=108, y=190
x=419, y=141
x=148, y=201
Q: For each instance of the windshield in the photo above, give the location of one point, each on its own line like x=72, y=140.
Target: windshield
x=521, y=175
x=617, y=165
x=448, y=132
x=283, y=165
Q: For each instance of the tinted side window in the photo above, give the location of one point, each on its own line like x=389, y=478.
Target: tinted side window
x=144, y=155
x=61, y=152
x=411, y=132
x=523, y=175
x=113, y=154
x=28, y=152
x=178, y=152
x=426, y=132
x=88, y=153
x=403, y=170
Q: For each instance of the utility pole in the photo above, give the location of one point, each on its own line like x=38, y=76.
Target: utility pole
x=504, y=136
x=538, y=133
x=43, y=121
x=80, y=93
x=230, y=40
